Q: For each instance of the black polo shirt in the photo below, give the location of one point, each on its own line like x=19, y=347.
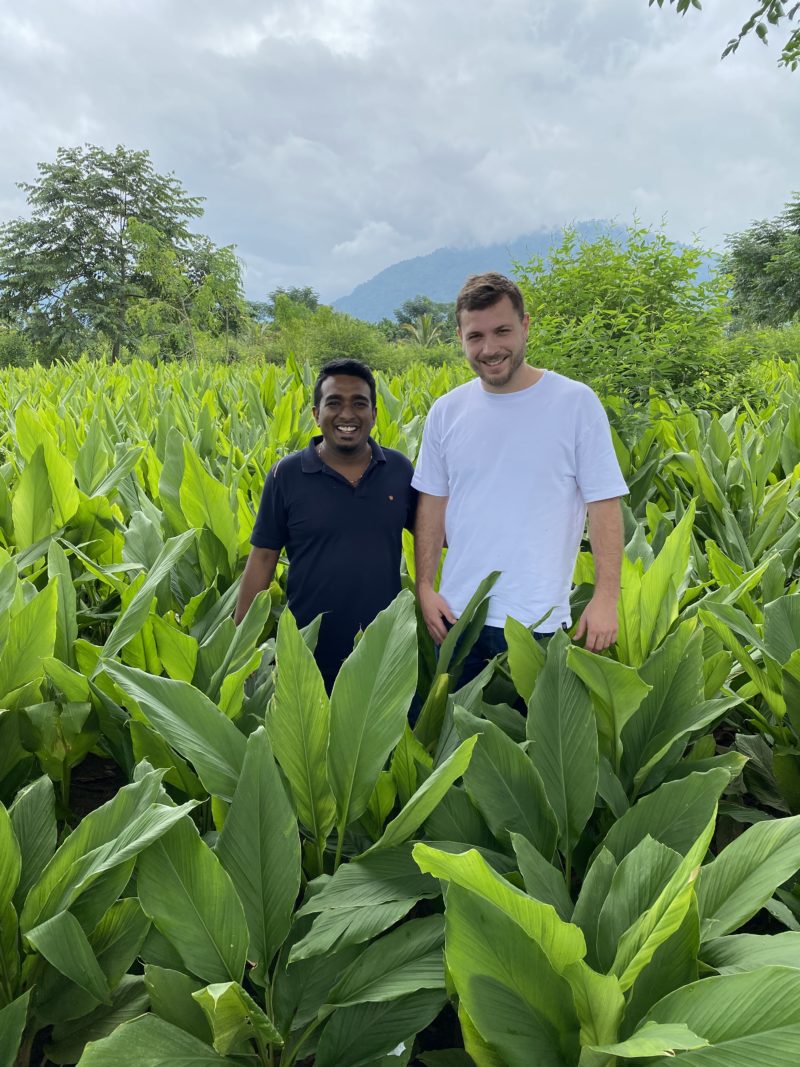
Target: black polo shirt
x=343, y=542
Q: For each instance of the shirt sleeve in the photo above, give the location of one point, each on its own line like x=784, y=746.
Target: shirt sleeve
x=271, y=529
x=430, y=475
x=598, y=472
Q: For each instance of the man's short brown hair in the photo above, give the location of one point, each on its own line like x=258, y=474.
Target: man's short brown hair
x=483, y=290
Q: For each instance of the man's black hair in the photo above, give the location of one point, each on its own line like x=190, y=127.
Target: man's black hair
x=354, y=367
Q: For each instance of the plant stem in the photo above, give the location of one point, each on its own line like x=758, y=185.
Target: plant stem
x=339, y=845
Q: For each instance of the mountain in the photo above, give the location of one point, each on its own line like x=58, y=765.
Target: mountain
x=441, y=274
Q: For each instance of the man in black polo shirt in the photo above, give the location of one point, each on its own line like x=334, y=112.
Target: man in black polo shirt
x=338, y=507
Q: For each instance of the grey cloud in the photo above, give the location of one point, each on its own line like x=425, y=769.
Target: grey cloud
x=334, y=137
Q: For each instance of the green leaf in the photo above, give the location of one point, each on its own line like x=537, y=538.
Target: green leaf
x=32, y=506
x=191, y=723
x=748, y=952
x=782, y=627
x=747, y=1018
x=369, y=703
x=31, y=638
x=206, y=502
x=526, y=657
x=675, y=814
x=617, y=692
x=542, y=880
x=109, y=837
x=427, y=797
x=364, y=1032
x=407, y=959
x=592, y=895
x=170, y=994
x=11, y=867
x=654, y=1039
x=63, y=944
x=562, y=943
x=521, y=1006
x=34, y=821
x=176, y=650
x=130, y=621
x=561, y=725
x=744, y=876
x=66, y=622
x=150, y=1042
x=259, y=847
x=298, y=723
x=186, y=892
x=505, y=787
x=235, y=1018
x=12, y=1025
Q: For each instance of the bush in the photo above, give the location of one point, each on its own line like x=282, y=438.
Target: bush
x=15, y=348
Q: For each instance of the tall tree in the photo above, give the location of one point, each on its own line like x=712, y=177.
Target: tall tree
x=70, y=269
x=764, y=262
x=767, y=14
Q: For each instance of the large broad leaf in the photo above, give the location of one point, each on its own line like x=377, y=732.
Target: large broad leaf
x=206, y=502
x=429, y=794
x=661, y=582
x=66, y=622
x=170, y=994
x=363, y=899
x=782, y=627
x=654, y=1039
x=12, y=1025
x=298, y=723
x=505, y=786
x=407, y=959
x=109, y=837
x=186, y=892
x=526, y=657
x=747, y=952
x=562, y=727
x=30, y=640
x=130, y=622
x=259, y=847
x=542, y=880
x=517, y=1000
x=12, y=860
x=675, y=814
x=235, y=1018
x=33, y=817
x=364, y=1032
x=746, y=874
x=370, y=699
x=33, y=508
x=562, y=943
x=151, y=1042
x=751, y=1018
x=63, y=944
x=617, y=692
x=191, y=723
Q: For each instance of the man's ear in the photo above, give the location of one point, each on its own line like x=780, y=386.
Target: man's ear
x=315, y=413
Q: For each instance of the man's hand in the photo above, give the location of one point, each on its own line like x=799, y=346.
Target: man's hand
x=598, y=623
x=435, y=610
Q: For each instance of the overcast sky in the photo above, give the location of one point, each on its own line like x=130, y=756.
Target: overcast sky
x=332, y=138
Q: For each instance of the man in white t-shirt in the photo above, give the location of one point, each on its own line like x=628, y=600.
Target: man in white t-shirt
x=510, y=465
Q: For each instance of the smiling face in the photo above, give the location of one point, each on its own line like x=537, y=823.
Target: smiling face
x=494, y=340
x=345, y=414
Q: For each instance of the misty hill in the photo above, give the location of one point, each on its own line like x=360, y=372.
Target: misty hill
x=441, y=274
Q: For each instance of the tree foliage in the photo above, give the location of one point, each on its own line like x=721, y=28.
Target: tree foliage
x=767, y=14
x=764, y=262
x=624, y=314
x=105, y=249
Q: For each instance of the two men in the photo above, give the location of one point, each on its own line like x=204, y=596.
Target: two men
x=510, y=464
x=338, y=507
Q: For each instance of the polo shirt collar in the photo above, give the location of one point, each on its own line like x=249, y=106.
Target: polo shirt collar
x=310, y=463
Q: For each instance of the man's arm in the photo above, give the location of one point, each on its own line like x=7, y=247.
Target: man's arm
x=258, y=573
x=599, y=619
x=428, y=542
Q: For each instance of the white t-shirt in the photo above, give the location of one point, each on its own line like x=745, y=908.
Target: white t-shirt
x=518, y=469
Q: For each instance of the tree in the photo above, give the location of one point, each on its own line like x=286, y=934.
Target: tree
x=70, y=270
x=624, y=314
x=424, y=331
x=303, y=296
x=764, y=262
x=768, y=13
